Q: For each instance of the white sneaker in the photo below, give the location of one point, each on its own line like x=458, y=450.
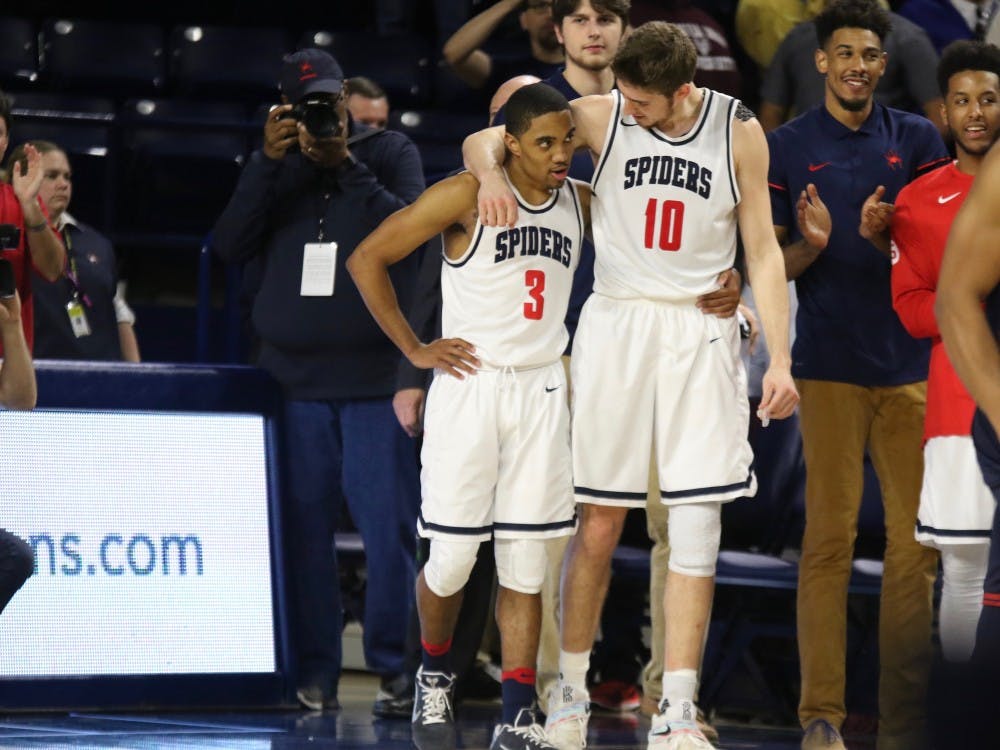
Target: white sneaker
x=676, y=728
x=569, y=712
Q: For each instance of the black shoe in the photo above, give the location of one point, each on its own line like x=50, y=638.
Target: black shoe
x=524, y=734
x=394, y=699
x=315, y=698
x=433, y=720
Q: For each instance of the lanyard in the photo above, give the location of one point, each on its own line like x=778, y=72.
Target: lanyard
x=71, y=272
x=322, y=206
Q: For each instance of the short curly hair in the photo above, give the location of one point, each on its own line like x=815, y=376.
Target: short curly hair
x=966, y=54
x=852, y=14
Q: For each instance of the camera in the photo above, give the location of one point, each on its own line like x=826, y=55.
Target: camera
x=319, y=115
x=10, y=237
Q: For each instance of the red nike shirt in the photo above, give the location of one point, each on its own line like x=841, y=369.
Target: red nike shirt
x=925, y=210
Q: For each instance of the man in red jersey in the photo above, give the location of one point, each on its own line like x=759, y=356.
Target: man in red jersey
x=956, y=506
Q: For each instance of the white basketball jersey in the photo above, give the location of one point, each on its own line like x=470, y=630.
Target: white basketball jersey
x=508, y=293
x=664, y=209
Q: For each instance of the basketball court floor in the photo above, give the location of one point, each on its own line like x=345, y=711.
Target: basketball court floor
x=351, y=728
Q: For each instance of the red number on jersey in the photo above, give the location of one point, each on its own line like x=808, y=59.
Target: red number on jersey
x=535, y=281
x=671, y=224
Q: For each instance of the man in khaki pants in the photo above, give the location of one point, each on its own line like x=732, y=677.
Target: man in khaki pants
x=860, y=375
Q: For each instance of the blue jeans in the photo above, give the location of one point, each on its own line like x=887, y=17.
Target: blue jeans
x=351, y=450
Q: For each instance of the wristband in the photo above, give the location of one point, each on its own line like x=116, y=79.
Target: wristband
x=36, y=227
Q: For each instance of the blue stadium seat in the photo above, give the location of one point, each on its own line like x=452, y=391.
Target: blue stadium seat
x=453, y=94
x=18, y=53
x=400, y=64
x=116, y=59
x=181, y=159
x=84, y=128
x=438, y=135
x=227, y=62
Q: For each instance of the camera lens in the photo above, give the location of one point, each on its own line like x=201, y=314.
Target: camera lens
x=320, y=119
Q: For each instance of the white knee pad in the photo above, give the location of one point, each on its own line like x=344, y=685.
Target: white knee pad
x=520, y=564
x=448, y=567
x=694, y=531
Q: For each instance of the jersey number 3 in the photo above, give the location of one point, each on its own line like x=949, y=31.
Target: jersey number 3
x=671, y=215
x=535, y=281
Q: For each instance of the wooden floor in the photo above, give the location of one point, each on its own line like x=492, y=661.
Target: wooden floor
x=351, y=728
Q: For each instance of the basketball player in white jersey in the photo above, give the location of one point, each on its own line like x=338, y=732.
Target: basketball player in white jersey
x=678, y=168
x=496, y=453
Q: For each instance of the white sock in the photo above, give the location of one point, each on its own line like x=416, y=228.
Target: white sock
x=680, y=685
x=964, y=568
x=573, y=669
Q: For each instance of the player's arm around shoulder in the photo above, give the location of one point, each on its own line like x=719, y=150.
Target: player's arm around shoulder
x=765, y=264
x=441, y=206
x=483, y=153
x=591, y=117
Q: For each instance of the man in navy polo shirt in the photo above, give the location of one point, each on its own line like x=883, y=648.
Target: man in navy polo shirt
x=862, y=378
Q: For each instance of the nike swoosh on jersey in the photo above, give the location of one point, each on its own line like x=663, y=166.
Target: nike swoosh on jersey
x=946, y=198
x=817, y=167
x=549, y=390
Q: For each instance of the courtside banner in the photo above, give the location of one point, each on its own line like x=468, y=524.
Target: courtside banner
x=152, y=544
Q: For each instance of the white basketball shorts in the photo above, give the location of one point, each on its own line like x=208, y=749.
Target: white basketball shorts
x=663, y=375
x=496, y=457
x=956, y=506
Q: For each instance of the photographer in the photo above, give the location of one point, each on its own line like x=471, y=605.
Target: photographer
x=318, y=186
x=26, y=239
x=17, y=391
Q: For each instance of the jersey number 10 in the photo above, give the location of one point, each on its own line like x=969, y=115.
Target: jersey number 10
x=671, y=215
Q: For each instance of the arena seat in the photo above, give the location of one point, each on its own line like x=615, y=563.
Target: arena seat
x=18, y=54
x=84, y=127
x=180, y=162
x=227, y=62
x=115, y=59
x=400, y=64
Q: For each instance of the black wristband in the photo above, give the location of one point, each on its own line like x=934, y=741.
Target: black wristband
x=36, y=227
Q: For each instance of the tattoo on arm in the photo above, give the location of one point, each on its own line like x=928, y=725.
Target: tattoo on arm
x=744, y=113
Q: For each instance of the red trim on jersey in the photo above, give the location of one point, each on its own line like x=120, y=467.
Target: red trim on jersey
x=777, y=186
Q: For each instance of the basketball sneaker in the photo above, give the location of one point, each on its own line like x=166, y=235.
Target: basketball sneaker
x=433, y=725
x=524, y=734
x=616, y=695
x=569, y=712
x=676, y=728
